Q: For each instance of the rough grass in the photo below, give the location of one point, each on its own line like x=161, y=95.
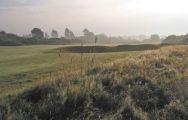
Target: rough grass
x=25, y=66
x=150, y=86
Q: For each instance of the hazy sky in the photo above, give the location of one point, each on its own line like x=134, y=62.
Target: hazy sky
x=113, y=17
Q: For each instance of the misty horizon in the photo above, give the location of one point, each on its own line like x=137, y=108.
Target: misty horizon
x=111, y=17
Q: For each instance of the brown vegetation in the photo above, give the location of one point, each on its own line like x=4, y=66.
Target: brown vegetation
x=149, y=86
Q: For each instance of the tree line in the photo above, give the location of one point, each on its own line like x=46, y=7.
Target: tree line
x=39, y=34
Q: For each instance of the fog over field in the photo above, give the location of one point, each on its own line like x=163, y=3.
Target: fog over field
x=93, y=60
x=112, y=17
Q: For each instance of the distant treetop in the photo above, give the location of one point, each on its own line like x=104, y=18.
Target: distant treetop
x=37, y=33
x=54, y=34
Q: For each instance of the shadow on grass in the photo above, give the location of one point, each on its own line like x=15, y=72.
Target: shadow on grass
x=102, y=49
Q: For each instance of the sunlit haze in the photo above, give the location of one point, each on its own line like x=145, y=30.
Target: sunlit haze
x=113, y=17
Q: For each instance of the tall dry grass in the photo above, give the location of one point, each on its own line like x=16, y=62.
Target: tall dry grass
x=144, y=87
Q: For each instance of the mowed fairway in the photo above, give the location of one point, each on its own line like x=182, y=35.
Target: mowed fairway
x=23, y=66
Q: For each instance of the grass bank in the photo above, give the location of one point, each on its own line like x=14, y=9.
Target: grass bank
x=149, y=86
x=25, y=66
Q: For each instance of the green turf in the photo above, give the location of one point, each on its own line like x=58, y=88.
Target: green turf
x=17, y=60
x=23, y=65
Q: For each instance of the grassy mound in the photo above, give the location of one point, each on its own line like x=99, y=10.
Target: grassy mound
x=142, y=87
x=103, y=49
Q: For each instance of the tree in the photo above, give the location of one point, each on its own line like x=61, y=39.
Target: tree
x=37, y=33
x=88, y=35
x=172, y=37
x=155, y=37
x=46, y=35
x=102, y=38
x=86, y=32
x=71, y=35
x=67, y=33
x=2, y=32
x=54, y=34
